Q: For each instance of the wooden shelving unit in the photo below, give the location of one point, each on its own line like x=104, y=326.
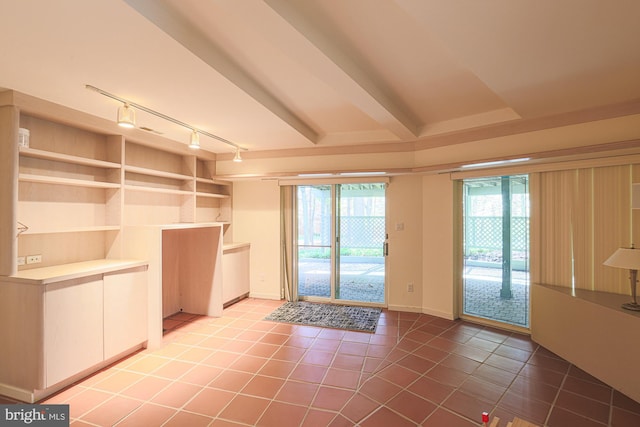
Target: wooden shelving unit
x=80, y=181
x=84, y=197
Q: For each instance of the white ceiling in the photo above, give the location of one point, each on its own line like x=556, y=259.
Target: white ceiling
x=282, y=74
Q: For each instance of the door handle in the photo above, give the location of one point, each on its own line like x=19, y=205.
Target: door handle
x=385, y=248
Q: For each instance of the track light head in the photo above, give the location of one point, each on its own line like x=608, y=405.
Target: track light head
x=126, y=116
x=194, y=142
x=127, y=119
x=237, y=157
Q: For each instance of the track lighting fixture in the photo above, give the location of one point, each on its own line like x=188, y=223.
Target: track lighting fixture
x=237, y=157
x=127, y=118
x=195, y=140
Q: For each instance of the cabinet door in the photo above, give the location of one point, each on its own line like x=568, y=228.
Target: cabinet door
x=73, y=328
x=235, y=273
x=125, y=311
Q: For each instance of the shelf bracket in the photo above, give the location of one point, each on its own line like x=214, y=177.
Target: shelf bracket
x=21, y=228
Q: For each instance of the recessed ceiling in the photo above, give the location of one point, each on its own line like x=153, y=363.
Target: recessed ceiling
x=278, y=74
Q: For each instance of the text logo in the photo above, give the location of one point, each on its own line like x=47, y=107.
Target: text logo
x=34, y=415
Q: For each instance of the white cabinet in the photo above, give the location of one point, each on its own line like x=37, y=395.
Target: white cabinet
x=235, y=272
x=73, y=325
x=125, y=310
x=61, y=323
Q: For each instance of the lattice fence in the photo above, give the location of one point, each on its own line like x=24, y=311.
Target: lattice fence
x=362, y=231
x=485, y=233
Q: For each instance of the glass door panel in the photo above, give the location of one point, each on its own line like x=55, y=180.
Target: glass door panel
x=361, y=241
x=496, y=249
x=315, y=249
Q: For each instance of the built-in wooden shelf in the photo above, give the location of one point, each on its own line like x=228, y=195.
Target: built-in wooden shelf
x=213, y=195
x=213, y=181
x=47, y=179
x=133, y=187
x=59, y=157
x=59, y=230
x=157, y=173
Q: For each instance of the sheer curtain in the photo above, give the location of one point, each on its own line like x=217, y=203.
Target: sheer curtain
x=287, y=210
x=579, y=218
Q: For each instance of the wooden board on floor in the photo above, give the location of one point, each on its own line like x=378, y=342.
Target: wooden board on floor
x=517, y=422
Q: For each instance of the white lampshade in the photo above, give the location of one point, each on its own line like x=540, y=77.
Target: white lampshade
x=237, y=157
x=194, y=142
x=126, y=116
x=625, y=258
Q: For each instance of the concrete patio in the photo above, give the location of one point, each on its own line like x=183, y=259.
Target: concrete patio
x=363, y=280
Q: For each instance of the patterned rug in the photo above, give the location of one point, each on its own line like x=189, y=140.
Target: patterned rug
x=363, y=319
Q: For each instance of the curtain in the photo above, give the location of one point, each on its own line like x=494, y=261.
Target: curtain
x=551, y=244
x=287, y=229
x=612, y=225
x=580, y=218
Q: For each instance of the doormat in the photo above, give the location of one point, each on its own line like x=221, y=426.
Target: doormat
x=364, y=319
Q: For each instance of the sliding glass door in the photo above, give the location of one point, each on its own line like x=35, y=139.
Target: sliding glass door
x=341, y=239
x=496, y=249
x=315, y=252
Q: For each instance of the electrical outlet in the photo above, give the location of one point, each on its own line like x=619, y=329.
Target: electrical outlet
x=409, y=287
x=34, y=259
x=21, y=260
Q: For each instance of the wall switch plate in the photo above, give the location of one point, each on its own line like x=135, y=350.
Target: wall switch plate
x=21, y=260
x=34, y=259
x=409, y=287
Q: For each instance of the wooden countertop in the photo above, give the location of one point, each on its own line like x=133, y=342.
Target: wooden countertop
x=60, y=273
x=605, y=299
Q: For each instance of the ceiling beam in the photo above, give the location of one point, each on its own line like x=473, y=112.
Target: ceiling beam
x=175, y=26
x=346, y=75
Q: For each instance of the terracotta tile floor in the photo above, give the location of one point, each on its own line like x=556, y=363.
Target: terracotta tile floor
x=239, y=370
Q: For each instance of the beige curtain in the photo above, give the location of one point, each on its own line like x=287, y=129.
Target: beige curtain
x=580, y=218
x=287, y=229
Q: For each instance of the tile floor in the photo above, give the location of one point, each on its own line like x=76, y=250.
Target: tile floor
x=239, y=370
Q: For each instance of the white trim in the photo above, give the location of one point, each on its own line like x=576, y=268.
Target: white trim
x=405, y=308
x=615, y=160
x=275, y=297
x=320, y=180
x=438, y=313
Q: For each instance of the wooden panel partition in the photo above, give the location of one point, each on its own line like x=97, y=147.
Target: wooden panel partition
x=590, y=330
x=185, y=270
x=9, y=117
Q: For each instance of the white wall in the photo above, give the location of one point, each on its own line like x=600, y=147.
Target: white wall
x=438, y=287
x=404, y=225
x=256, y=219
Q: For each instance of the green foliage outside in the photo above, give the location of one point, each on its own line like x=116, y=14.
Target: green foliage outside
x=325, y=254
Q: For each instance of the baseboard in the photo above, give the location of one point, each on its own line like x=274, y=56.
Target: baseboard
x=414, y=309
x=265, y=296
x=17, y=393
x=235, y=300
x=405, y=308
x=438, y=313
x=32, y=396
